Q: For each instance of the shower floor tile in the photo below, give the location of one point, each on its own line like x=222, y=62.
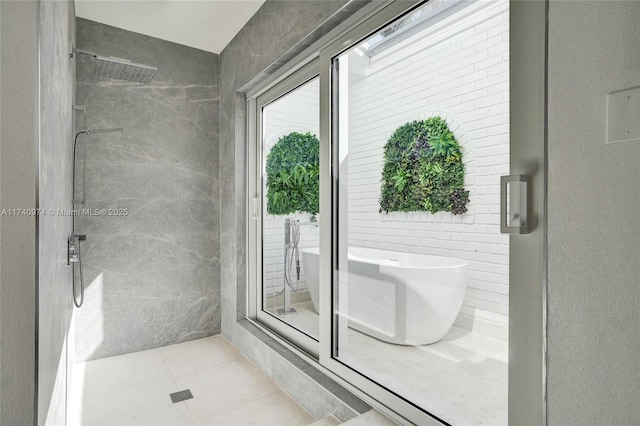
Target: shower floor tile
x=275, y=409
x=108, y=375
x=133, y=389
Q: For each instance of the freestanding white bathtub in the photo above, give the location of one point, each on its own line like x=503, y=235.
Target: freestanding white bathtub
x=401, y=298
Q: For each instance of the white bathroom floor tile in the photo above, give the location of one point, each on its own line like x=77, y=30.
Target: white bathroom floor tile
x=490, y=408
x=276, y=409
x=370, y=352
x=216, y=388
x=450, y=351
x=147, y=404
x=186, y=358
x=461, y=379
x=452, y=375
x=306, y=319
x=477, y=342
x=133, y=389
x=121, y=372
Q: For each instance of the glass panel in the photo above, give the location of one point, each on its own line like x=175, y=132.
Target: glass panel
x=421, y=282
x=290, y=228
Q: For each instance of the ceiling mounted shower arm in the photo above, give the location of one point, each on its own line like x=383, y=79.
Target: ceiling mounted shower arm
x=82, y=52
x=99, y=131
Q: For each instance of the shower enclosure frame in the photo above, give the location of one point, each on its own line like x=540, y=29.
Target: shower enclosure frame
x=527, y=271
x=303, y=75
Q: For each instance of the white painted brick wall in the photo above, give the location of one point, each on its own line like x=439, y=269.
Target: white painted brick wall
x=298, y=111
x=459, y=71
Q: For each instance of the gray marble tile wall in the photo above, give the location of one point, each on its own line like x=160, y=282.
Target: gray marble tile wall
x=57, y=73
x=276, y=33
x=152, y=270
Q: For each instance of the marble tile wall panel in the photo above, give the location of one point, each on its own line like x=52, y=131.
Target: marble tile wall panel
x=152, y=275
x=57, y=73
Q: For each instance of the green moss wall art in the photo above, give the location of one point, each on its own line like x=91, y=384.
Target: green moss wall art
x=293, y=175
x=423, y=170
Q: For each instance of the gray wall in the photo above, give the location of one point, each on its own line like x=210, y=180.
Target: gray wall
x=18, y=171
x=594, y=232
x=152, y=276
x=57, y=73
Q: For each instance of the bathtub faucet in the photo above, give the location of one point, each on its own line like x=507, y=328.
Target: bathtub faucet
x=291, y=240
x=294, y=240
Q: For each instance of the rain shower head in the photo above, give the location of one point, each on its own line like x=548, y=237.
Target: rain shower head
x=121, y=69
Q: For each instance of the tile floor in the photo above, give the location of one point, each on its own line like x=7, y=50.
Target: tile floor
x=134, y=389
x=462, y=379
x=306, y=319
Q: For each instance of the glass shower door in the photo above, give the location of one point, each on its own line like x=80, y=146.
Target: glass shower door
x=289, y=205
x=420, y=138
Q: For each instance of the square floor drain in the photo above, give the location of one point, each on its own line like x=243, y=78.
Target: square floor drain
x=181, y=396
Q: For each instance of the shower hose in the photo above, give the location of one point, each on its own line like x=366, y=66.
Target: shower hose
x=73, y=182
x=75, y=297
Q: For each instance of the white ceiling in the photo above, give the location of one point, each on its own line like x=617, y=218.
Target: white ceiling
x=204, y=24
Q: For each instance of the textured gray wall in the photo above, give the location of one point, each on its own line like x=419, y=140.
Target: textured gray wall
x=153, y=276
x=18, y=171
x=594, y=232
x=276, y=33
x=57, y=74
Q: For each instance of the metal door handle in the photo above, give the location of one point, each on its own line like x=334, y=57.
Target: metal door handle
x=514, y=204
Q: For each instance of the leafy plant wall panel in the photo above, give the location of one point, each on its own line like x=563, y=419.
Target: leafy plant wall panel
x=293, y=175
x=423, y=169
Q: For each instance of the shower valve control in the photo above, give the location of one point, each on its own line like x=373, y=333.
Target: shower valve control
x=73, y=247
x=72, y=251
